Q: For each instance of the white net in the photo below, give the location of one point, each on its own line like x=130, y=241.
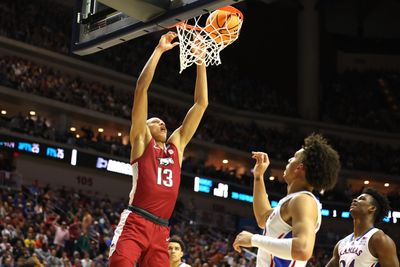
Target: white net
x=200, y=45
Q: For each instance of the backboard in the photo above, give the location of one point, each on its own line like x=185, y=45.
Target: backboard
x=100, y=24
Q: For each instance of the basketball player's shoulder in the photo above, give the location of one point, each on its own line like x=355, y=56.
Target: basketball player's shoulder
x=380, y=238
x=303, y=197
x=381, y=243
x=302, y=204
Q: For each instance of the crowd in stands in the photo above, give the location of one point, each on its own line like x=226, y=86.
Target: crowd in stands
x=113, y=145
x=27, y=76
x=42, y=226
x=367, y=99
x=45, y=226
x=24, y=21
x=376, y=90
x=42, y=23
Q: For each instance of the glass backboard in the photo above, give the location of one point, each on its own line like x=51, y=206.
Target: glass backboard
x=100, y=24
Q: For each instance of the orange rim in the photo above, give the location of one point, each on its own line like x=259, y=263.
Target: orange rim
x=230, y=9
x=187, y=26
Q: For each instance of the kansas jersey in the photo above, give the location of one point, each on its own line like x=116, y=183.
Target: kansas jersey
x=354, y=252
x=155, y=180
x=278, y=228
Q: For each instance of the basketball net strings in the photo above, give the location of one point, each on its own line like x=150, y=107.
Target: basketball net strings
x=198, y=46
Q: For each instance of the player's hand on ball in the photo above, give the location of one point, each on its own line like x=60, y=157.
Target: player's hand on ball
x=262, y=163
x=242, y=240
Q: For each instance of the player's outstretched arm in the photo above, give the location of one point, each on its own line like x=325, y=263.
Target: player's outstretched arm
x=303, y=210
x=383, y=247
x=261, y=206
x=139, y=133
x=182, y=135
x=334, y=261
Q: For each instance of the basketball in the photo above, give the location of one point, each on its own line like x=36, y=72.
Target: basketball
x=223, y=26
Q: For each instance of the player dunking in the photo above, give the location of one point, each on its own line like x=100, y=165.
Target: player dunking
x=290, y=228
x=367, y=246
x=142, y=234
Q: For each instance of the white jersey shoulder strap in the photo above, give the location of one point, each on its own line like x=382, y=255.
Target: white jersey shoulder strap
x=319, y=205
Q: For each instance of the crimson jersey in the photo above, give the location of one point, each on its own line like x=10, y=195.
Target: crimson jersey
x=155, y=180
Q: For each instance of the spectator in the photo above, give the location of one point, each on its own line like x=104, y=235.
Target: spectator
x=61, y=233
x=53, y=260
x=176, y=250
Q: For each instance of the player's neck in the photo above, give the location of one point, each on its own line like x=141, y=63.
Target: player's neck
x=175, y=264
x=297, y=186
x=361, y=226
x=161, y=144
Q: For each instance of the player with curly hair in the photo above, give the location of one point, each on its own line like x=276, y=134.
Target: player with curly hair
x=366, y=246
x=290, y=228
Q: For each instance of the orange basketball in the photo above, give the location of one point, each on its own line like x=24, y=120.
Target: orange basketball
x=223, y=26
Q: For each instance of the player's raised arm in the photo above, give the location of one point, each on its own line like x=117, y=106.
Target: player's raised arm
x=182, y=135
x=334, y=261
x=261, y=206
x=139, y=133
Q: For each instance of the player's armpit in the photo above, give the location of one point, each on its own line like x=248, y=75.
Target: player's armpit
x=139, y=144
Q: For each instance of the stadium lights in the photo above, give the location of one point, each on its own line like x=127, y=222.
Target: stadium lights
x=366, y=182
x=100, y=130
x=271, y=178
x=3, y=112
x=72, y=129
x=32, y=113
x=225, y=161
x=119, y=134
x=386, y=184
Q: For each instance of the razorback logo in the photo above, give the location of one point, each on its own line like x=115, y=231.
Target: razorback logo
x=166, y=161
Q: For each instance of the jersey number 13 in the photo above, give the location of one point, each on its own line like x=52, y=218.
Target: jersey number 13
x=164, y=177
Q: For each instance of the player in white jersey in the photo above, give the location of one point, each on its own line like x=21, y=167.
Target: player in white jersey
x=290, y=228
x=367, y=246
x=176, y=250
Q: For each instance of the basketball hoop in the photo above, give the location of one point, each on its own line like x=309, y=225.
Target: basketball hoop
x=221, y=29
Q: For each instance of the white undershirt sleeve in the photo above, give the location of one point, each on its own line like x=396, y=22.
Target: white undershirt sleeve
x=281, y=248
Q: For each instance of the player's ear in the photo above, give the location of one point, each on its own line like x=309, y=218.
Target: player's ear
x=372, y=208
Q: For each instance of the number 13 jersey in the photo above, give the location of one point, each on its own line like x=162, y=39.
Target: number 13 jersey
x=155, y=179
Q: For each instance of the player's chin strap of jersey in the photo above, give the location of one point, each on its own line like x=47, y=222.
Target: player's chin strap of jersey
x=280, y=247
x=149, y=216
